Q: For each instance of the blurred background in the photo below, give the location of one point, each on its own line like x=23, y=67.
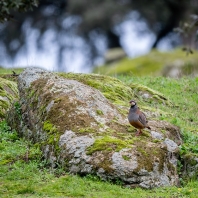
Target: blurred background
x=80, y=35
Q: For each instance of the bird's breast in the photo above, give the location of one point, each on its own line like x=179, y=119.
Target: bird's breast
x=137, y=124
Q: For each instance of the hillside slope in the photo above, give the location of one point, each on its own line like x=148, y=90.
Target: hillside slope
x=24, y=173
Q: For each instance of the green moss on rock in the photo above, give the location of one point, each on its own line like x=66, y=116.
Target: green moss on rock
x=153, y=93
x=125, y=157
x=8, y=94
x=118, y=92
x=109, y=143
x=86, y=130
x=49, y=127
x=99, y=112
x=53, y=136
x=113, y=89
x=149, y=154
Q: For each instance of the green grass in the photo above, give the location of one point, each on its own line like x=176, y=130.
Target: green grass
x=27, y=176
x=9, y=70
x=152, y=63
x=23, y=172
x=7, y=73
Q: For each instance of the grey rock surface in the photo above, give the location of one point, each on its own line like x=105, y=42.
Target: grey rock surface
x=157, y=135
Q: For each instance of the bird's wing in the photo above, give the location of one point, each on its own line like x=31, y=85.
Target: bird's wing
x=142, y=118
x=145, y=117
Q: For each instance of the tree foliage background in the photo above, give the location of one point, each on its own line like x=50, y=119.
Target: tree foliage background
x=86, y=19
x=6, y=6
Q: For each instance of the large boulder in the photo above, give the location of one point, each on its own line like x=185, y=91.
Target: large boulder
x=77, y=127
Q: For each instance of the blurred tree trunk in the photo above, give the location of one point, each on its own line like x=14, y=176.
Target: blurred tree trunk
x=113, y=40
x=177, y=10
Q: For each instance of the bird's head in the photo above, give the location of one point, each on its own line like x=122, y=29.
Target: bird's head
x=132, y=103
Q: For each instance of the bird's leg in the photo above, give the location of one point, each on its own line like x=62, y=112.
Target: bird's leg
x=139, y=132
